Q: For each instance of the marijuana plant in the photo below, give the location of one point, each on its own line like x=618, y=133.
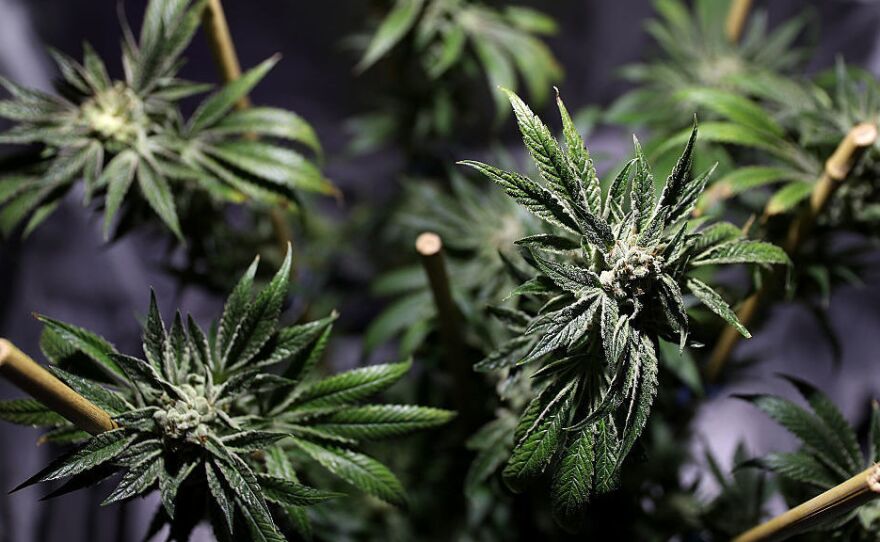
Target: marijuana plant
x=227, y=414
x=695, y=52
x=829, y=454
x=452, y=43
x=612, y=276
x=114, y=132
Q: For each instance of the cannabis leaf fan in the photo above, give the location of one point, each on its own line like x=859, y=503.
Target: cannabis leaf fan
x=205, y=413
x=113, y=133
x=612, y=276
x=829, y=454
x=696, y=52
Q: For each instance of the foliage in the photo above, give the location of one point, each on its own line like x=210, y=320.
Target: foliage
x=452, y=43
x=828, y=455
x=207, y=410
x=115, y=132
x=696, y=55
x=478, y=228
x=612, y=275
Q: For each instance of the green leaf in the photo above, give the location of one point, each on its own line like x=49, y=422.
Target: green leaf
x=155, y=336
x=643, y=398
x=747, y=178
x=551, y=162
x=361, y=471
x=95, y=347
x=548, y=242
x=573, y=479
x=351, y=386
x=259, y=320
x=105, y=398
x=534, y=197
x=606, y=446
x=801, y=467
x=156, y=191
x=394, y=27
x=742, y=252
x=537, y=447
x=212, y=110
x=732, y=107
x=247, y=491
x=565, y=327
x=375, y=422
x=248, y=441
x=97, y=451
x=788, y=197
x=714, y=302
x=29, y=412
x=117, y=177
x=235, y=309
x=288, y=493
x=499, y=70
x=270, y=121
x=642, y=193
x=285, y=169
x=169, y=484
x=220, y=494
x=829, y=413
x=137, y=481
x=816, y=436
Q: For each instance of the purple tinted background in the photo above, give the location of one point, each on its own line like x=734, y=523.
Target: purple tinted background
x=64, y=270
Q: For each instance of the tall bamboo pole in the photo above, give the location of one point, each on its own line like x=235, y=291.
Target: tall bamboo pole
x=226, y=58
x=42, y=385
x=856, y=491
x=736, y=19
x=837, y=168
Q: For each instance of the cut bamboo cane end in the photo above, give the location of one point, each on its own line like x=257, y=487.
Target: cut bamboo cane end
x=840, y=162
x=429, y=244
x=864, y=134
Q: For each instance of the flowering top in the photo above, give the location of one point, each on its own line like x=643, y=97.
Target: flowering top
x=610, y=279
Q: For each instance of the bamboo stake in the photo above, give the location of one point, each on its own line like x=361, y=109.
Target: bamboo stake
x=430, y=249
x=856, y=491
x=42, y=385
x=837, y=168
x=226, y=58
x=222, y=47
x=736, y=19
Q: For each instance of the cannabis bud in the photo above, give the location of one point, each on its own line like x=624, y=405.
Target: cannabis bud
x=199, y=405
x=609, y=284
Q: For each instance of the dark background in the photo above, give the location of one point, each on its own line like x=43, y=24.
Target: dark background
x=65, y=271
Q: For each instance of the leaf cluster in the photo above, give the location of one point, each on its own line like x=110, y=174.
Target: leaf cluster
x=116, y=133
x=232, y=411
x=829, y=453
x=612, y=276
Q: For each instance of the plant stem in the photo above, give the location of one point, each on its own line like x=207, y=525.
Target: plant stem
x=856, y=491
x=430, y=249
x=226, y=58
x=736, y=19
x=33, y=379
x=837, y=168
